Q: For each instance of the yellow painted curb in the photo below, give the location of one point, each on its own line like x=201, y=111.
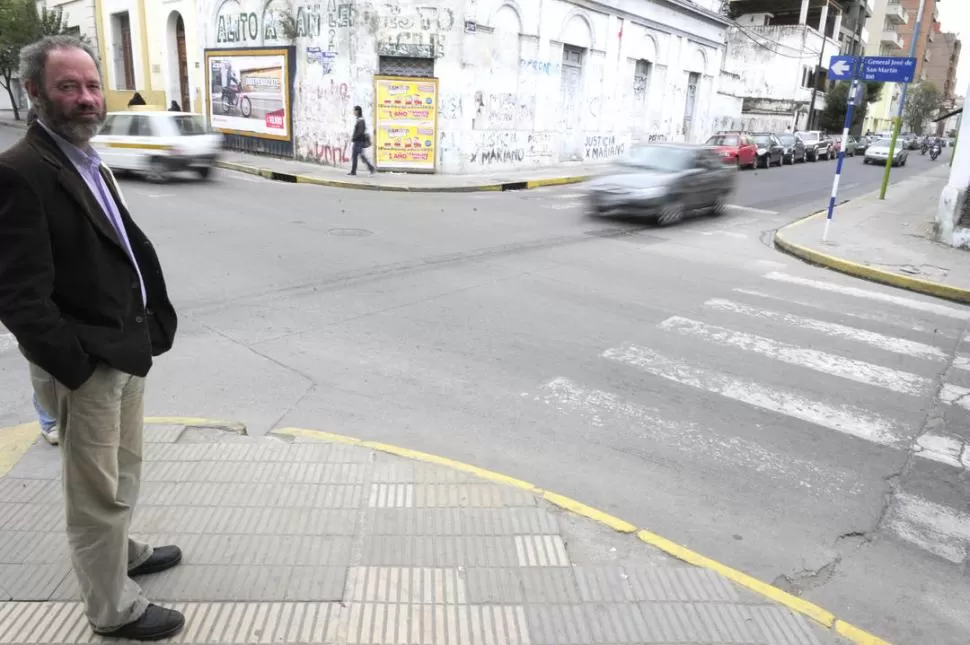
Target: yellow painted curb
x=557, y=181
x=881, y=276
x=14, y=442
x=803, y=607
x=816, y=613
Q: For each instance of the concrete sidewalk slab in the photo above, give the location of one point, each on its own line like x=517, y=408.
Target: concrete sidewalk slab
x=305, y=537
x=888, y=241
x=309, y=173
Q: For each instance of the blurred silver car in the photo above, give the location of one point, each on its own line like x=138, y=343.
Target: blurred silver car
x=665, y=182
x=878, y=152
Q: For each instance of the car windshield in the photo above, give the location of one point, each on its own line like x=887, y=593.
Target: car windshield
x=808, y=136
x=881, y=143
x=723, y=140
x=662, y=158
x=762, y=139
x=787, y=139
x=190, y=125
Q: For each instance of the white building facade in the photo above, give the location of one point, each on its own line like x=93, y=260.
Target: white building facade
x=521, y=83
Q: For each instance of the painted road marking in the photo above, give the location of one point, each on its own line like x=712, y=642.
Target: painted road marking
x=955, y=395
x=929, y=307
x=813, y=359
x=887, y=318
x=601, y=408
x=946, y=450
x=889, y=343
x=749, y=209
x=7, y=341
x=725, y=233
x=938, y=529
x=961, y=362
x=847, y=418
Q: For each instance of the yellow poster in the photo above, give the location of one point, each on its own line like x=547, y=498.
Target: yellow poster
x=406, y=122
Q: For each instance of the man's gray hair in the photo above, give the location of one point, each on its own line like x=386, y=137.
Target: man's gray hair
x=33, y=57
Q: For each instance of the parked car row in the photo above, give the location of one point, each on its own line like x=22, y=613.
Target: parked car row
x=766, y=149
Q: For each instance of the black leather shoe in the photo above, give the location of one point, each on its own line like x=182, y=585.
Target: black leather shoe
x=163, y=557
x=155, y=624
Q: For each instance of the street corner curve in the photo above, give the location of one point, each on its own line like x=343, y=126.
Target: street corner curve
x=15, y=441
x=926, y=287
x=818, y=614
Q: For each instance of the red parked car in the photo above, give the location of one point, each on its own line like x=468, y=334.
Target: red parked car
x=735, y=148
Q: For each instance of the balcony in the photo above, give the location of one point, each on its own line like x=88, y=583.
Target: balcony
x=896, y=13
x=892, y=40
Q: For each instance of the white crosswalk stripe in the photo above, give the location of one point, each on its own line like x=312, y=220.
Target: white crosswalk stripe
x=813, y=359
x=847, y=419
x=7, y=341
x=909, y=355
x=929, y=307
x=889, y=343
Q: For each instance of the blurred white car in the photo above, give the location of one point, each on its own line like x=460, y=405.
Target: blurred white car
x=878, y=152
x=157, y=144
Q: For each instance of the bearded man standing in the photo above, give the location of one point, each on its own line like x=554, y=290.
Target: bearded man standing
x=81, y=289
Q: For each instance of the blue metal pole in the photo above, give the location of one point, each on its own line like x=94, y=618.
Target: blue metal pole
x=902, y=103
x=838, y=167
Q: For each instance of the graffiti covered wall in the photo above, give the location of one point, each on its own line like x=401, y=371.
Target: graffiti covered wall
x=521, y=85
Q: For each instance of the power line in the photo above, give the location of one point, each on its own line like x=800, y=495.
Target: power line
x=802, y=53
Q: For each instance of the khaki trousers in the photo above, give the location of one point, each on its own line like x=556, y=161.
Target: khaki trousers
x=101, y=427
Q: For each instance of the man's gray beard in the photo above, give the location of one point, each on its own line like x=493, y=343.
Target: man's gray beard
x=74, y=130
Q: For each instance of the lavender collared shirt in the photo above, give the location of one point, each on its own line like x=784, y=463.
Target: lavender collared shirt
x=88, y=164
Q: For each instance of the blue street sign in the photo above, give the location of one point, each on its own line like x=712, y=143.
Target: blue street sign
x=887, y=69
x=842, y=68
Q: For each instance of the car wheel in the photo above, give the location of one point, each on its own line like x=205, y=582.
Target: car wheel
x=204, y=172
x=672, y=212
x=717, y=208
x=157, y=171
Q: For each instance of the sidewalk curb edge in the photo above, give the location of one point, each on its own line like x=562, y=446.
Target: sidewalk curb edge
x=292, y=178
x=16, y=440
x=818, y=614
x=926, y=287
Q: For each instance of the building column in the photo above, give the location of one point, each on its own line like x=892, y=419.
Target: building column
x=803, y=17
x=823, y=20
x=838, y=25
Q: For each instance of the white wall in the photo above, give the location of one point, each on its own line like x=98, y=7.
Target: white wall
x=503, y=104
x=77, y=13
x=163, y=52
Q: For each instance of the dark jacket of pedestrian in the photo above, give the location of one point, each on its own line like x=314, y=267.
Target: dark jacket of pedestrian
x=68, y=290
x=360, y=131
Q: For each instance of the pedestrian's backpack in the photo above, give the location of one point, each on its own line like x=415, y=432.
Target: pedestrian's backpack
x=367, y=141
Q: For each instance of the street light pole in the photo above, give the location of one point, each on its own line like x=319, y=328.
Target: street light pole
x=902, y=104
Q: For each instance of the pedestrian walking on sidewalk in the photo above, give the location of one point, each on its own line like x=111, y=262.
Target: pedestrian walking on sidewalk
x=360, y=140
x=81, y=289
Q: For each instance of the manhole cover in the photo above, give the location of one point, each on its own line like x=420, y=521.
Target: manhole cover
x=350, y=232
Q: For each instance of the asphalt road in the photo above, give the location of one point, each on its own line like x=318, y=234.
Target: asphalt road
x=689, y=379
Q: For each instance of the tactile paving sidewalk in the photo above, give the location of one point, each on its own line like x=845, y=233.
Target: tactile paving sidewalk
x=314, y=542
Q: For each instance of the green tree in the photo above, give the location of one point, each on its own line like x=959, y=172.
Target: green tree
x=832, y=118
x=20, y=25
x=922, y=103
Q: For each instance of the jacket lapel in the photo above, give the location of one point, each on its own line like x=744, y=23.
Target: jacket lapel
x=73, y=183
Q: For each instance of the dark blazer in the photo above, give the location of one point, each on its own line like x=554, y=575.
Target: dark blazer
x=68, y=291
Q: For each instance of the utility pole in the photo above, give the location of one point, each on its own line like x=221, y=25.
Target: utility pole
x=902, y=103
x=810, y=125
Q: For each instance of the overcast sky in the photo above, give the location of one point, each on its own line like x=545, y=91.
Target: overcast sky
x=955, y=17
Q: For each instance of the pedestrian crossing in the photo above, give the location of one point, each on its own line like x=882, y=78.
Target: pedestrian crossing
x=867, y=365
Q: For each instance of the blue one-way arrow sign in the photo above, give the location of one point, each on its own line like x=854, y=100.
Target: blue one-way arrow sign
x=842, y=68
x=888, y=69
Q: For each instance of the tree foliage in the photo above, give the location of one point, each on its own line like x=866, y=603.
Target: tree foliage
x=832, y=118
x=922, y=103
x=20, y=25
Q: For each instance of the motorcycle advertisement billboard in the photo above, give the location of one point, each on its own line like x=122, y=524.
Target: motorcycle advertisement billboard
x=249, y=91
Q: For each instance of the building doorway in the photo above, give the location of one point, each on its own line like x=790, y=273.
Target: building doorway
x=178, y=63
